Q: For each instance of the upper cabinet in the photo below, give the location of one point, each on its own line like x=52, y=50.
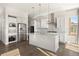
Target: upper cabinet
x=46, y=22
x=52, y=22
x=51, y=18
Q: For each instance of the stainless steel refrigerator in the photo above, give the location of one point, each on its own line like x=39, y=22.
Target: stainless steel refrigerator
x=21, y=31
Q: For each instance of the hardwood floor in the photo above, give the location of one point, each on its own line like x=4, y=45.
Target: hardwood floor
x=63, y=51
x=23, y=49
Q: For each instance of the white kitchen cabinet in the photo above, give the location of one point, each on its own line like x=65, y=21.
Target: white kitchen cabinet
x=49, y=41
x=52, y=22
x=51, y=18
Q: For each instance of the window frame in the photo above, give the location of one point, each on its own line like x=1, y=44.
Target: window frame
x=70, y=31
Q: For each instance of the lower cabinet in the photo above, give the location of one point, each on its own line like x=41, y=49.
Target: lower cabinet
x=48, y=42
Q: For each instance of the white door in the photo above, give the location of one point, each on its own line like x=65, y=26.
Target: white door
x=73, y=29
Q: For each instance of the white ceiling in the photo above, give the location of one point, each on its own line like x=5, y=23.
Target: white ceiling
x=33, y=9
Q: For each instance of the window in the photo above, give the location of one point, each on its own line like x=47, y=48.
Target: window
x=73, y=25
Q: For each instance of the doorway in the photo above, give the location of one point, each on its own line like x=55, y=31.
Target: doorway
x=73, y=29
x=68, y=29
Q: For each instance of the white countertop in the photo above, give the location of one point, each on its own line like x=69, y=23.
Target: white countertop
x=44, y=33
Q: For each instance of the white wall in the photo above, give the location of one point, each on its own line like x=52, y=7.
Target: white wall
x=30, y=21
x=2, y=27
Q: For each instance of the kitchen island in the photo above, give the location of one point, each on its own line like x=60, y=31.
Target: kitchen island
x=49, y=41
